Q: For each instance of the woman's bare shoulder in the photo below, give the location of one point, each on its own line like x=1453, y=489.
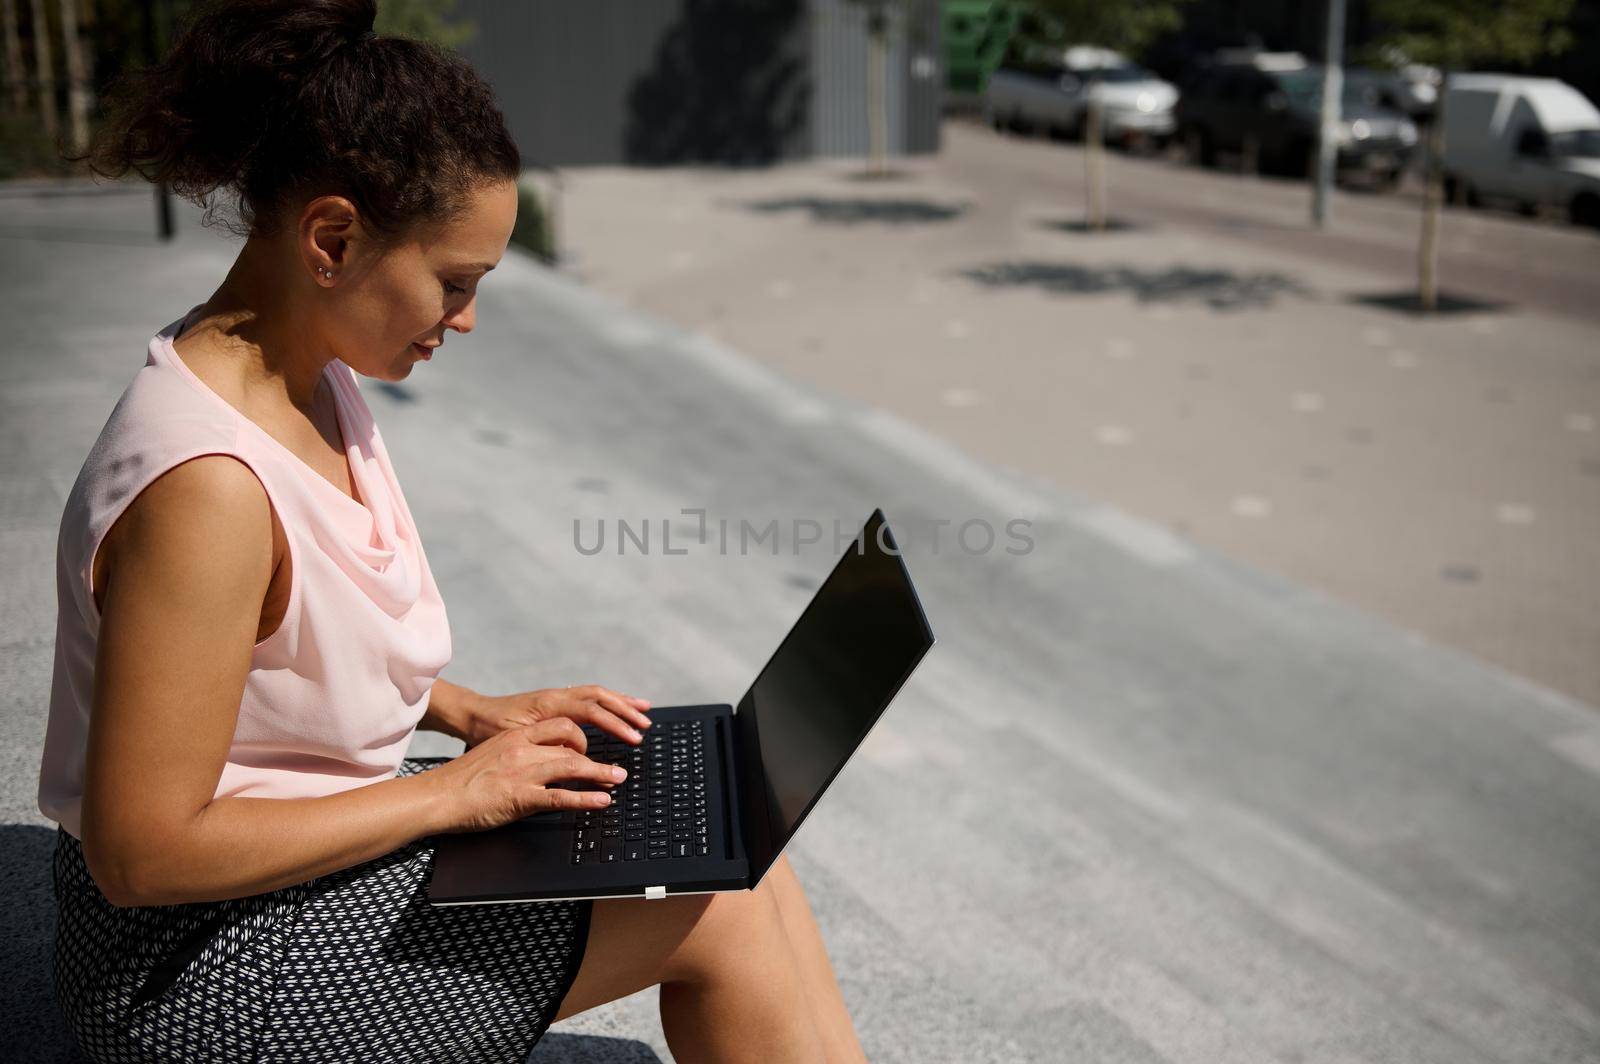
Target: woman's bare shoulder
x=206, y=520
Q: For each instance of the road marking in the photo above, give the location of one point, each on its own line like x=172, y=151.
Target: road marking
x=1251, y=506
x=1113, y=435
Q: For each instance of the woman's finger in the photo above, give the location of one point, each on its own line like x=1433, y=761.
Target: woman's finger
x=578, y=768
x=594, y=691
x=557, y=731
x=607, y=721
x=552, y=798
x=619, y=705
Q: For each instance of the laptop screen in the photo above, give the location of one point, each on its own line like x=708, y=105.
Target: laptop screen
x=830, y=679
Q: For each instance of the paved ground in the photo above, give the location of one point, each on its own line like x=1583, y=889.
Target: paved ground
x=1204, y=369
x=1142, y=803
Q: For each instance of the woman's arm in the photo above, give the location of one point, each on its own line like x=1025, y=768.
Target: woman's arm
x=189, y=568
x=451, y=709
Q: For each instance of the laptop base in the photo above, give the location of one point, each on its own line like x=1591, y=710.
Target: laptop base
x=531, y=859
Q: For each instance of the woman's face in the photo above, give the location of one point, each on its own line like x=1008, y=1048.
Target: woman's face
x=394, y=305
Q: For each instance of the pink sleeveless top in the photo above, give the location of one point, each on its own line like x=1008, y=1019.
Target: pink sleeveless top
x=334, y=694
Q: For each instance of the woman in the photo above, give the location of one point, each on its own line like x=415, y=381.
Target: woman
x=249, y=633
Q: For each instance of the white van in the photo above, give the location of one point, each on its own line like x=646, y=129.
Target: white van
x=1530, y=140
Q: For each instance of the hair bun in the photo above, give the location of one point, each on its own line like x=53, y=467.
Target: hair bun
x=267, y=99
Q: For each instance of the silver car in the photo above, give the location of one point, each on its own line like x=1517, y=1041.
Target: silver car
x=1052, y=94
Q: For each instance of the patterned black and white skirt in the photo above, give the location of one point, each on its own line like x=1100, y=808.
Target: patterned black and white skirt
x=351, y=966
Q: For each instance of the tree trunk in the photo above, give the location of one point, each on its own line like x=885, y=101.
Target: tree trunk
x=1428, y=249
x=77, y=76
x=1094, y=151
x=47, y=74
x=877, y=96
x=16, y=76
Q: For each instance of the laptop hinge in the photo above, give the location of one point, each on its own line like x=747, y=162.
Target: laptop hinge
x=754, y=816
x=655, y=893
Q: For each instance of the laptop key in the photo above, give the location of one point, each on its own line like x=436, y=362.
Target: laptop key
x=633, y=852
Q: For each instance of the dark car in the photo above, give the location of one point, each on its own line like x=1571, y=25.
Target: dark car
x=1277, y=113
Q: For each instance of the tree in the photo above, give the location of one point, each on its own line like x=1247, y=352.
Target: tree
x=78, y=79
x=42, y=62
x=425, y=19
x=879, y=14
x=1124, y=27
x=1455, y=35
x=16, y=78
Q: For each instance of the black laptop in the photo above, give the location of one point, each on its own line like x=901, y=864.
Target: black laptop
x=715, y=792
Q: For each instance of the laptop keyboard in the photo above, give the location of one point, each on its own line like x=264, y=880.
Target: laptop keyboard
x=659, y=811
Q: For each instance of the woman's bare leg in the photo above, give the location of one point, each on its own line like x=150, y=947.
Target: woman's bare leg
x=805, y=939
x=731, y=988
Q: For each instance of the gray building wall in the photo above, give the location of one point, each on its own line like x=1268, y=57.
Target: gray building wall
x=586, y=82
x=913, y=84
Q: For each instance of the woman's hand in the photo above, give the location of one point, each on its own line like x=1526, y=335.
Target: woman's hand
x=512, y=774
x=619, y=714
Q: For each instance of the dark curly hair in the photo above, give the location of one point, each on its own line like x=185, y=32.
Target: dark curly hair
x=276, y=101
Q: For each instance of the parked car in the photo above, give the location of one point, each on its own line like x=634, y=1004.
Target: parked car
x=1136, y=106
x=1532, y=141
x=1039, y=93
x=1272, y=102
x=1051, y=93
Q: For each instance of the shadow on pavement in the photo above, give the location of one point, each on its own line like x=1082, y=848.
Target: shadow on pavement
x=847, y=211
x=36, y=1030
x=1219, y=289
x=591, y=1049
x=1407, y=303
x=1081, y=225
x=886, y=174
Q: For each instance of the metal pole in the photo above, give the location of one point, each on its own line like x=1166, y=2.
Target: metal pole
x=153, y=43
x=1328, y=134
